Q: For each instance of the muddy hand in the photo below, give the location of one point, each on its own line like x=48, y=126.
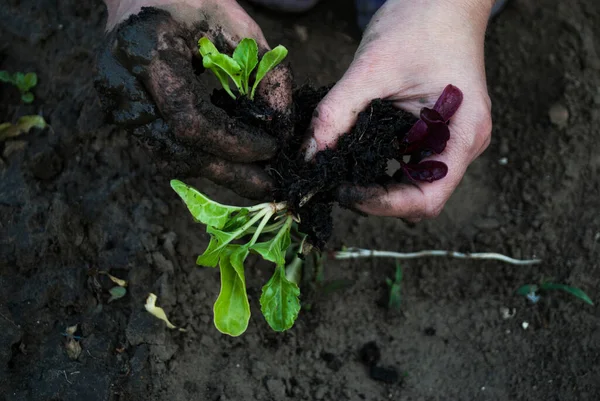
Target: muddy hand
x=147, y=83
x=411, y=50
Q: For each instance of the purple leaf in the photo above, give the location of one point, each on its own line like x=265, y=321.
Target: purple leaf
x=428, y=170
x=438, y=132
x=448, y=102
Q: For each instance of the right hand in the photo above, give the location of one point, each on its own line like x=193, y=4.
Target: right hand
x=147, y=83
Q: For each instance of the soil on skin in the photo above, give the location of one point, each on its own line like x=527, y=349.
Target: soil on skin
x=84, y=198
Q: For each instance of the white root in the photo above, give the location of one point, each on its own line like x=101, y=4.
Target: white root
x=355, y=253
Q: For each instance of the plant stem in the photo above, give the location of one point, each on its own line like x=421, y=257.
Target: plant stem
x=277, y=207
x=261, y=227
x=354, y=253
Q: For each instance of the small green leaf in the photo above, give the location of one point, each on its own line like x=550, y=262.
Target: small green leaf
x=239, y=253
x=269, y=61
x=116, y=293
x=201, y=207
x=19, y=80
x=225, y=64
x=571, y=290
x=27, y=97
x=210, y=257
x=23, y=125
x=206, y=47
x=237, y=220
x=246, y=55
x=6, y=77
x=232, y=309
x=29, y=81
x=274, y=249
x=280, y=303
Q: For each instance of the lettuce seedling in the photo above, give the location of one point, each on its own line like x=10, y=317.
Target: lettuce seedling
x=23, y=82
x=235, y=232
x=240, y=65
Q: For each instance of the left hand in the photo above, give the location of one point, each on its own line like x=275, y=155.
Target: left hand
x=411, y=50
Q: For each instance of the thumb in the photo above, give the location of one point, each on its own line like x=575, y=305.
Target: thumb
x=336, y=113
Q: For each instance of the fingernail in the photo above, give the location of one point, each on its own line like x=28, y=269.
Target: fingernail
x=310, y=149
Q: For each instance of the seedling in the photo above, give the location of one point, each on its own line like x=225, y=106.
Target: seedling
x=240, y=66
x=268, y=227
x=395, y=286
x=23, y=82
x=532, y=291
x=23, y=125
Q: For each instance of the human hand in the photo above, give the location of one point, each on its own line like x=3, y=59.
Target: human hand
x=411, y=50
x=146, y=80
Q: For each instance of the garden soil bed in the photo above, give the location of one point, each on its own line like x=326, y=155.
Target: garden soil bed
x=84, y=198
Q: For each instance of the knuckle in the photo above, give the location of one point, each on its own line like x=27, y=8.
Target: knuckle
x=433, y=208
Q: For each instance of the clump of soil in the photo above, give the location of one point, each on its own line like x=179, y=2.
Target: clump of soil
x=359, y=158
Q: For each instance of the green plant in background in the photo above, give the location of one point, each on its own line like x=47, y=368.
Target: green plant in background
x=240, y=66
x=23, y=125
x=395, y=288
x=532, y=291
x=264, y=229
x=23, y=82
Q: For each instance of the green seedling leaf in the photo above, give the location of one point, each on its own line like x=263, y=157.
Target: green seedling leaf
x=226, y=64
x=23, y=125
x=280, y=302
x=395, y=295
x=29, y=81
x=210, y=257
x=270, y=60
x=5, y=76
x=246, y=55
x=116, y=292
x=237, y=220
x=578, y=293
x=202, y=208
x=274, y=250
x=207, y=49
x=27, y=97
x=232, y=309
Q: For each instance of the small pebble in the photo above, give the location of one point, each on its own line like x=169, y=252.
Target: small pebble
x=525, y=325
x=503, y=161
x=559, y=115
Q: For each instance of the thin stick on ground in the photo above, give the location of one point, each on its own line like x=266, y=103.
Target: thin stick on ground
x=355, y=253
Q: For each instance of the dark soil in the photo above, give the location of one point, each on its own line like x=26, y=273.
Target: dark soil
x=84, y=197
x=311, y=187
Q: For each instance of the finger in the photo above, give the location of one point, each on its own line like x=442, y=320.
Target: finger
x=470, y=134
x=121, y=95
x=154, y=49
x=173, y=159
x=276, y=89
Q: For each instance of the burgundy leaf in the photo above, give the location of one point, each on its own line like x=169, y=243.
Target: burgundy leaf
x=428, y=170
x=448, y=102
x=417, y=133
x=438, y=132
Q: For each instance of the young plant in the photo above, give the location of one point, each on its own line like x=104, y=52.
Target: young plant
x=531, y=291
x=264, y=229
x=23, y=82
x=240, y=65
x=395, y=288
